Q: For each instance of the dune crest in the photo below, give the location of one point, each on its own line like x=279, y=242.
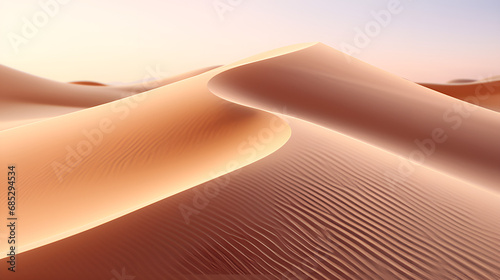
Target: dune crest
x=366, y=103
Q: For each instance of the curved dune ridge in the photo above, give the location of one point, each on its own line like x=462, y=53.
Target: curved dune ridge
x=177, y=183
x=374, y=106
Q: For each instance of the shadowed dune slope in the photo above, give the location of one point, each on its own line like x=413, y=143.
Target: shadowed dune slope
x=324, y=206
x=324, y=86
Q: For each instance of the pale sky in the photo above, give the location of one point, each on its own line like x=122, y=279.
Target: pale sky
x=117, y=41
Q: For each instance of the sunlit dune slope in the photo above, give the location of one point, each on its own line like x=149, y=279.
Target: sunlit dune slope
x=84, y=168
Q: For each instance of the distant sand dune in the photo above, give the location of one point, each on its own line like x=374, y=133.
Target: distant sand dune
x=492, y=78
x=461, y=81
x=482, y=93
x=34, y=98
x=87, y=83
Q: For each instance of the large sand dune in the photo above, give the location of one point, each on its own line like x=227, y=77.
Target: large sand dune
x=85, y=168
x=374, y=106
x=324, y=206
x=319, y=187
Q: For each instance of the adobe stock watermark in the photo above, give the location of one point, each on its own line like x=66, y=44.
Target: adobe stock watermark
x=121, y=276
x=425, y=148
x=373, y=28
x=221, y=178
x=323, y=243
x=150, y=80
x=223, y=7
x=31, y=26
x=93, y=137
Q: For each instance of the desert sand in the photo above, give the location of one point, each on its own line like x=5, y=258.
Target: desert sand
x=179, y=136
x=374, y=106
x=26, y=98
x=299, y=163
x=482, y=93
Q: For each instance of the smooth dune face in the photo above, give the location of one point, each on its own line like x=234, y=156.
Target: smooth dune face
x=352, y=173
x=357, y=99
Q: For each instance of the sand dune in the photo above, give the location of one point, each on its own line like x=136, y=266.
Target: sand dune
x=26, y=98
x=20, y=86
x=321, y=206
x=461, y=81
x=374, y=106
x=87, y=83
x=483, y=93
x=102, y=162
x=491, y=78
x=323, y=191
